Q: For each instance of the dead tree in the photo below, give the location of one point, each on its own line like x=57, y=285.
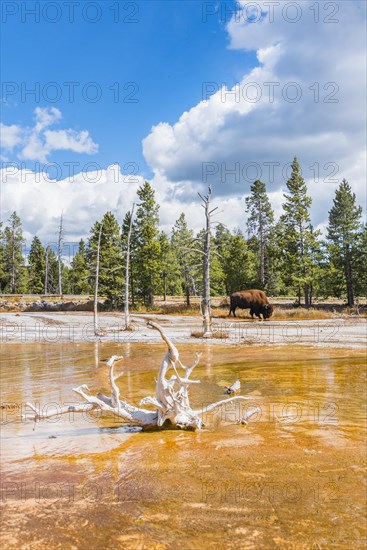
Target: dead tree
x=96, y=281
x=205, y=302
x=59, y=253
x=46, y=270
x=171, y=405
x=127, y=272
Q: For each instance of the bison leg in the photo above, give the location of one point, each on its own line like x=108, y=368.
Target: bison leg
x=255, y=311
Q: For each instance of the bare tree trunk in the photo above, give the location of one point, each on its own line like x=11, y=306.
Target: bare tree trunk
x=59, y=253
x=205, y=302
x=187, y=289
x=194, y=286
x=307, y=299
x=13, y=276
x=127, y=272
x=262, y=249
x=349, y=283
x=96, y=281
x=262, y=263
x=46, y=272
x=164, y=287
x=132, y=291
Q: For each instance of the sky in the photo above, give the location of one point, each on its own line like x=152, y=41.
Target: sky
x=98, y=96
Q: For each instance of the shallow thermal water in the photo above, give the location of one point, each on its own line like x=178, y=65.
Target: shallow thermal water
x=292, y=478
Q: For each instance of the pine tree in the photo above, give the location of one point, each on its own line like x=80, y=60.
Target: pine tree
x=66, y=283
x=317, y=263
x=36, y=269
x=238, y=263
x=221, y=243
x=222, y=237
x=13, y=257
x=147, y=244
x=259, y=224
x=127, y=243
x=133, y=265
x=51, y=271
x=79, y=272
x=343, y=229
x=297, y=237
x=170, y=267
x=182, y=242
x=275, y=283
x=361, y=263
x=2, y=265
x=111, y=274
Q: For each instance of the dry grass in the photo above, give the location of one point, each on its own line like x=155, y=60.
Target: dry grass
x=222, y=312
x=281, y=312
x=181, y=309
x=175, y=305
x=30, y=298
x=169, y=309
x=362, y=312
x=130, y=328
x=220, y=334
x=300, y=313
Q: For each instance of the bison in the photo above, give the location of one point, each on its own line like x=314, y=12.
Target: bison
x=254, y=300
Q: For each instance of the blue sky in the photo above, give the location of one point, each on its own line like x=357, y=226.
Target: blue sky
x=167, y=54
x=314, y=61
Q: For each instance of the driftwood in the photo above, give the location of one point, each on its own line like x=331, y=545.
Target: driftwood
x=236, y=386
x=171, y=402
x=250, y=412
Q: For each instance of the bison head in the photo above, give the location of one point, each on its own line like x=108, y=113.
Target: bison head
x=267, y=311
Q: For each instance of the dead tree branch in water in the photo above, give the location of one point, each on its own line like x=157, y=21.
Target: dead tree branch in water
x=171, y=405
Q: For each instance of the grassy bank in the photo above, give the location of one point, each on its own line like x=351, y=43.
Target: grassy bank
x=284, y=307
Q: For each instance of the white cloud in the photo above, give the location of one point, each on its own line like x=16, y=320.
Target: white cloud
x=79, y=142
x=34, y=149
x=84, y=199
x=38, y=142
x=10, y=135
x=234, y=134
x=46, y=117
x=324, y=128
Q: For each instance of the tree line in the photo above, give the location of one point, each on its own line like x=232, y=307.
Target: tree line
x=284, y=257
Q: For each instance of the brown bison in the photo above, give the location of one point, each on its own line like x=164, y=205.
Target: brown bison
x=254, y=300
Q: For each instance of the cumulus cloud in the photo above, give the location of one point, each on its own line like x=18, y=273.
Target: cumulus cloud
x=10, y=136
x=38, y=142
x=83, y=199
x=46, y=117
x=252, y=130
x=306, y=98
x=86, y=197
x=79, y=142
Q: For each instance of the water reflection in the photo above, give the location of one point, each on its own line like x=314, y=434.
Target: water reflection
x=294, y=477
